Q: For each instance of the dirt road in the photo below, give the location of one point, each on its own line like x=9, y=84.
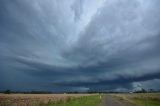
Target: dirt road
x=110, y=101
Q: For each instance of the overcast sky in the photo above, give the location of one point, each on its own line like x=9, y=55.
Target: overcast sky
x=79, y=45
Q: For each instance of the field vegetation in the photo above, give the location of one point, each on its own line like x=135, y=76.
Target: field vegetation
x=140, y=99
x=49, y=99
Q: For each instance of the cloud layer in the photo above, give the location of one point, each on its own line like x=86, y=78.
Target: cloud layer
x=79, y=44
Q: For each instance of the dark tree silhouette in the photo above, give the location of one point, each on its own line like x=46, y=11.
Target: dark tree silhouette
x=7, y=91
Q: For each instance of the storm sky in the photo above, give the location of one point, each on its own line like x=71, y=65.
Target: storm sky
x=62, y=45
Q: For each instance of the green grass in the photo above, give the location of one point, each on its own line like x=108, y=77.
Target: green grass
x=144, y=102
x=141, y=99
x=80, y=101
x=147, y=99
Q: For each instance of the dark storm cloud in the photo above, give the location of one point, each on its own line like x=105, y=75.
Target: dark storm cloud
x=79, y=45
x=78, y=9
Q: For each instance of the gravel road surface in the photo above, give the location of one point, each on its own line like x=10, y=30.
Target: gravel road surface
x=110, y=101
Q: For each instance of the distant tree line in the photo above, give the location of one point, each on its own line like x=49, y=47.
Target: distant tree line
x=141, y=91
x=26, y=92
x=78, y=92
x=147, y=91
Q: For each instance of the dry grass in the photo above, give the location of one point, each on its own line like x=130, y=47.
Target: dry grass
x=34, y=99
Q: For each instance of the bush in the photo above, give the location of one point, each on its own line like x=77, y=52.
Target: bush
x=7, y=92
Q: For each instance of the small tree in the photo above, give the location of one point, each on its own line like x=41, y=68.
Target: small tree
x=7, y=92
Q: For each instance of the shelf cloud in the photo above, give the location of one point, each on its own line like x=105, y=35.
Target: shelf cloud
x=79, y=44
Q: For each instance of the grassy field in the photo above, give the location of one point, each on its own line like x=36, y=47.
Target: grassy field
x=49, y=99
x=140, y=99
x=81, y=101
